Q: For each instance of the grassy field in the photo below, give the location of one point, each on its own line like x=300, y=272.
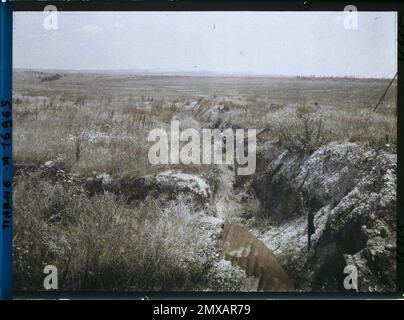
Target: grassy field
x=106, y=118
x=95, y=123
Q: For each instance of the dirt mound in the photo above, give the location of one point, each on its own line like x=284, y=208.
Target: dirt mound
x=171, y=183
x=351, y=190
x=53, y=77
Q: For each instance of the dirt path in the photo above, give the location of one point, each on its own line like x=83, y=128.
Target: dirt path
x=224, y=200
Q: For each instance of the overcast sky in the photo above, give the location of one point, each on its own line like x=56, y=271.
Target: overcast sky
x=273, y=43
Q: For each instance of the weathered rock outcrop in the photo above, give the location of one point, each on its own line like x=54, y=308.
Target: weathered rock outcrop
x=186, y=121
x=173, y=184
x=218, y=117
x=352, y=192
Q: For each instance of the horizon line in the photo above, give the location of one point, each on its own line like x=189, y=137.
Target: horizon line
x=203, y=73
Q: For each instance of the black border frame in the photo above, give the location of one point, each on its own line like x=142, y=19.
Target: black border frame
x=208, y=5
x=245, y=5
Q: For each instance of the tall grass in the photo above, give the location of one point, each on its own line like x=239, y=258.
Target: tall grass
x=100, y=243
x=304, y=128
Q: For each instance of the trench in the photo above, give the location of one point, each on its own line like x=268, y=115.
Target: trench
x=243, y=249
